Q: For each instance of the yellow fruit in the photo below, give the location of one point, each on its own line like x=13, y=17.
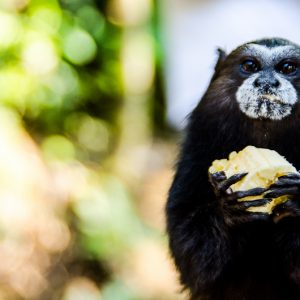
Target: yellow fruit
x=263, y=166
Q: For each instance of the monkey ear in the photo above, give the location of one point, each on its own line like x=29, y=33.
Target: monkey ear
x=221, y=57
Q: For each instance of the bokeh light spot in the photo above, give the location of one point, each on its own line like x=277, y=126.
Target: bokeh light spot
x=57, y=147
x=79, y=47
x=9, y=29
x=53, y=235
x=82, y=289
x=40, y=57
x=92, y=20
x=46, y=19
x=10, y=78
x=93, y=134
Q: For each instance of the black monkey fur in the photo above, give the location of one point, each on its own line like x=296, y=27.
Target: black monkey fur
x=257, y=259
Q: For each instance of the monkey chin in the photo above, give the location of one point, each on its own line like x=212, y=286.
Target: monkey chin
x=266, y=107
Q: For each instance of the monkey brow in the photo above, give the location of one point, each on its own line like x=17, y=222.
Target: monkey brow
x=269, y=55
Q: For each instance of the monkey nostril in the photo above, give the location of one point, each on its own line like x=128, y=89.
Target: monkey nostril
x=257, y=82
x=276, y=83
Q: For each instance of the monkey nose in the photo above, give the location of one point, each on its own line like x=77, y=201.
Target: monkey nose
x=266, y=84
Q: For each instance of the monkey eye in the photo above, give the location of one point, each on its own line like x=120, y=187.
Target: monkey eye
x=249, y=66
x=287, y=68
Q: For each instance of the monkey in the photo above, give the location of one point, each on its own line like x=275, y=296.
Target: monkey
x=220, y=249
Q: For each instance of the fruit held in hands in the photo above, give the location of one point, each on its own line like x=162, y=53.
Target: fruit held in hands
x=263, y=166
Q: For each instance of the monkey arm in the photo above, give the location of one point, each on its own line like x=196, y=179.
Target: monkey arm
x=198, y=237
x=202, y=225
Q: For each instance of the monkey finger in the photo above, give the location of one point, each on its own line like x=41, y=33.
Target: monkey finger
x=252, y=203
x=223, y=186
x=254, y=217
x=289, y=204
x=290, y=176
x=285, y=182
x=242, y=194
x=282, y=191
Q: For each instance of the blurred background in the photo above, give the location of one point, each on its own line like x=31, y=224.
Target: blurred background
x=93, y=99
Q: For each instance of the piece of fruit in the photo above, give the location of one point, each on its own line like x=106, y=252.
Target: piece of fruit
x=263, y=166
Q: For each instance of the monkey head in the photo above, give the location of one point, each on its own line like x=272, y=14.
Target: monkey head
x=263, y=76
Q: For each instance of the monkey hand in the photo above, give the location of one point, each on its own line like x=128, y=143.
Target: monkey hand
x=234, y=210
x=287, y=185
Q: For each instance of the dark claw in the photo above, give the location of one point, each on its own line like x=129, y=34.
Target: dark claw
x=230, y=181
x=284, y=191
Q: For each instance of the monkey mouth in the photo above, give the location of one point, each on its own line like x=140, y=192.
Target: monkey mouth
x=269, y=107
x=269, y=98
x=266, y=107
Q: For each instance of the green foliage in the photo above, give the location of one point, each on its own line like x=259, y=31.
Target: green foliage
x=61, y=75
x=58, y=60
